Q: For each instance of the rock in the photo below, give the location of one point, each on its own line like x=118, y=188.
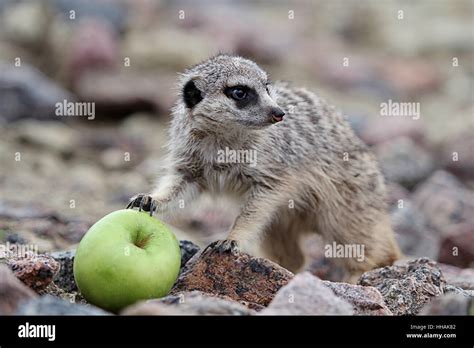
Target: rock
x=240, y=277
x=457, y=246
x=24, y=211
x=27, y=93
x=65, y=277
x=12, y=291
x=153, y=307
x=26, y=23
x=409, y=77
x=113, y=159
x=406, y=288
x=366, y=300
x=445, y=202
x=317, y=263
x=305, y=294
x=395, y=193
x=35, y=270
x=141, y=45
x=462, y=278
x=449, y=304
x=452, y=289
x=52, y=136
x=266, y=49
x=93, y=46
x=188, y=250
x=189, y=303
x=113, y=13
x=47, y=233
x=403, y=162
x=117, y=94
x=359, y=76
x=457, y=155
x=433, y=37
x=75, y=230
x=49, y=305
x=384, y=129
x=14, y=238
x=413, y=235
x=69, y=296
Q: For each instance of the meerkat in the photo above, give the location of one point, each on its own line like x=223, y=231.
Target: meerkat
x=310, y=174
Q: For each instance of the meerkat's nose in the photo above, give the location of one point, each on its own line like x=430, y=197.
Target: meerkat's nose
x=277, y=114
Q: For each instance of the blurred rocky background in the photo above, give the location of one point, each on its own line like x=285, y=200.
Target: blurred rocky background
x=60, y=174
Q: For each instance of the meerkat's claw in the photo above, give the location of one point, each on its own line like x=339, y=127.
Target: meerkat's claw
x=143, y=202
x=153, y=207
x=210, y=246
x=224, y=246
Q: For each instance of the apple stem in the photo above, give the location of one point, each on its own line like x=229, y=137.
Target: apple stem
x=142, y=241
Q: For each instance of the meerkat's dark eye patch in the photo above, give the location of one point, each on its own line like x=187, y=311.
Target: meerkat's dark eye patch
x=242, y=95
x=191, y=94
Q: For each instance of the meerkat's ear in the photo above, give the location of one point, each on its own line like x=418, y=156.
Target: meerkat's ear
x=191, y=94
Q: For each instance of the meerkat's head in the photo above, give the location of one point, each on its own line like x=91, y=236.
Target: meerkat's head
x=227, y=92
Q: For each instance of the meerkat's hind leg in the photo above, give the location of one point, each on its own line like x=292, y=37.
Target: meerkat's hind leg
x=282, y=244
x=380, y=247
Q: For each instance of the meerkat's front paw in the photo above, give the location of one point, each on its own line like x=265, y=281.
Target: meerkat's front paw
x=224, y=246
x=143, y=202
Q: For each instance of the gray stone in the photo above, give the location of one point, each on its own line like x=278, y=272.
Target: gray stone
x=52, y=136
x=459, y=147
x=385, y=129
x=12, y=291
x=448, y=304
x=366, y=300
x=459, y=277
x=49, y=305
x=444, y=201
x=306, y=294
x=65, y=277
x=413, y=235
x=26, y=93
x=408, y=287
x=188, y=250
x=457, y=246
x=189, y=303
x=403, y=162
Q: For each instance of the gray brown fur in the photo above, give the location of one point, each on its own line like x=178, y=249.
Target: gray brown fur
x=299, y=160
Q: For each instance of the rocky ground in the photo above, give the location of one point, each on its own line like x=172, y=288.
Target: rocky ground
x=61, y=174
x=216, y=283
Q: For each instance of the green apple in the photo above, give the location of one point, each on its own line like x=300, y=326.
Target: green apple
x=124, y=257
